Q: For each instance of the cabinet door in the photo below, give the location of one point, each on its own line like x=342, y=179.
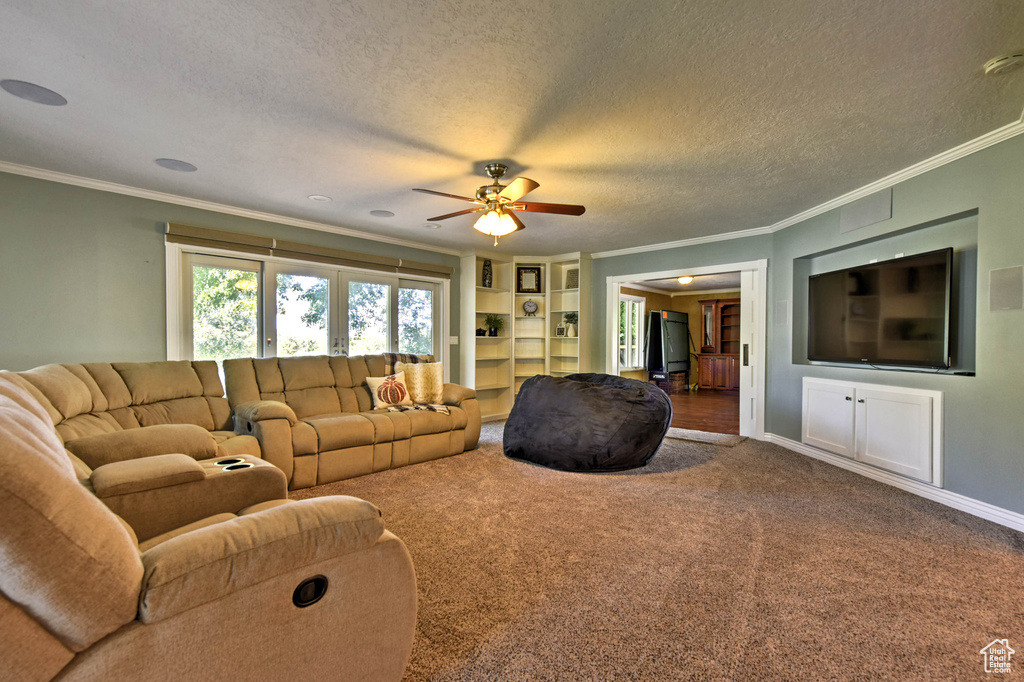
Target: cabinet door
x=706, y=372
x=734, y=372
x=828, y=417
x=709, y=327
x=894, y=431
x=722, y=381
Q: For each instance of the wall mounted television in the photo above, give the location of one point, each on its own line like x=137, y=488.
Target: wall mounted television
x=893, y=313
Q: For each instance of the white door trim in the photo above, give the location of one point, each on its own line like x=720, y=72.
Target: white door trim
x=754, y=427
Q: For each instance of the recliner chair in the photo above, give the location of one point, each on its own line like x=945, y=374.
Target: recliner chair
x=315, y=589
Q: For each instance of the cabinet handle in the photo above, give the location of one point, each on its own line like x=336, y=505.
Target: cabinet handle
x=849, y=397
x=860, y=400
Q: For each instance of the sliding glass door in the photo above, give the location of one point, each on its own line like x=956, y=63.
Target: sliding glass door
x=222, y=307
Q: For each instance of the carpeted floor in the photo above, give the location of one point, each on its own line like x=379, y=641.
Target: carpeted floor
x=741, y=563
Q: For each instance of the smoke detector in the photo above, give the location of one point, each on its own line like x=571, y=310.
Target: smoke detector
x=1004, y=63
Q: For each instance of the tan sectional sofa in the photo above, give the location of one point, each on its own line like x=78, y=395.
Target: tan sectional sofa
x=105, y=412
x=314, y=418
x=316, y=589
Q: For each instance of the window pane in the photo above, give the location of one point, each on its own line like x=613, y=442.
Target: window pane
x=415, y=321
x=623, y=316
x=302, y=307
x=368, y=316
x=224, y=310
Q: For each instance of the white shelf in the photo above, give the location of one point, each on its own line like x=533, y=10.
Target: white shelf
x=527, y=376
x=565, y=338
x=492, y=387
x=530, y=317
x=491, y=290
x=532, y=357
x=572, y=357
x=499, y=359
x=492, y=338
x=530, y=338
x=565, y=291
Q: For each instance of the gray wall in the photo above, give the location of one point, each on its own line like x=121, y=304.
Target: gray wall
x=82, y=271
x=984, y=415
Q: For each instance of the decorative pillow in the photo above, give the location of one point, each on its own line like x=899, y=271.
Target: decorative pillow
x=389, y=390
x=425, y=381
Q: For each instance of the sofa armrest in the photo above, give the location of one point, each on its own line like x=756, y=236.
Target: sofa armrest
x=162, y=439
x=222, y=489
x=455, y=394
x=210, y=563
x=259, y=410
x=147, y=473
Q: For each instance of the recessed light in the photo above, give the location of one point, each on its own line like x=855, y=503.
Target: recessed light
x=176, y=165
x=1003, y=63
x=318, y=197
x=380, y=213
x=432, y=226
x=33, y=93
x=685, y=280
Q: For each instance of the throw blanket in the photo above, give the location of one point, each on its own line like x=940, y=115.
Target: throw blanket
x=390, y=359
x=443, y=409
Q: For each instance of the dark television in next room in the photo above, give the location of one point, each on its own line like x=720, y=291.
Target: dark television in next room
x=893, y=313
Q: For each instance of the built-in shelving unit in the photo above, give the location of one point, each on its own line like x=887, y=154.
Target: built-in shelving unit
x=529, y=344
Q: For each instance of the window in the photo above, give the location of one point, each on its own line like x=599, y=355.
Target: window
x=223, y=308
x=632, y=311
x=246, y=308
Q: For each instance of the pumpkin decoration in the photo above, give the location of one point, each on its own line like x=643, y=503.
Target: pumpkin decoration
x=391, y=391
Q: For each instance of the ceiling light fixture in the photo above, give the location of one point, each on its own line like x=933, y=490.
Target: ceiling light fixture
x=496, y=223
x=685, y=280
x=33, y=93
x=432, y=226
x=1003, y=63
x=381, y=213
x=318, y=197
x=176, y=165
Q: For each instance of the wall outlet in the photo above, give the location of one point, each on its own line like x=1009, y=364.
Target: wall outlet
x=453, y=340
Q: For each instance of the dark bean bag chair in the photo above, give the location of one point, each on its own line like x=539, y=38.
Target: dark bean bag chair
x=587, y=422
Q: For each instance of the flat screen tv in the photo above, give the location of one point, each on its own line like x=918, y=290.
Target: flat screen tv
x=894, y=313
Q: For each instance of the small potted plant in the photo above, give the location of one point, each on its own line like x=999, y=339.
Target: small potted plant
x=570, y=323
x=494, y=323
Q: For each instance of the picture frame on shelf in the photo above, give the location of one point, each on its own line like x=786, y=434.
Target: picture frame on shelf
x=572, y=278
x=528, y=279
x=560, y=330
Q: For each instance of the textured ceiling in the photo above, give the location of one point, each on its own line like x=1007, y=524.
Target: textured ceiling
x=722, y=281
x=667, y=120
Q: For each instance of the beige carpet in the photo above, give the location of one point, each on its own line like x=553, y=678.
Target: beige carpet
x=711, y=563
x=728, y=440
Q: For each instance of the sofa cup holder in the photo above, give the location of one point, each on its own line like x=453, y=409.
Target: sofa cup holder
x=229, y=462
x=236, y=467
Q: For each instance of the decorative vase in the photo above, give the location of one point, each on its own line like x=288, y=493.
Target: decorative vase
x=570, y=330
x=488, y=276
x=493, y=331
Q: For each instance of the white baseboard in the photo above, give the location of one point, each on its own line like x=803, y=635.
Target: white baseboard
x=493, y=417
x=978, y=508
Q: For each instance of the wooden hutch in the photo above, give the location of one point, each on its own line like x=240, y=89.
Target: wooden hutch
x=719, y=363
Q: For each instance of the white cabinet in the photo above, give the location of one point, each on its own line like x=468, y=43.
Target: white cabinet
x=897, y=429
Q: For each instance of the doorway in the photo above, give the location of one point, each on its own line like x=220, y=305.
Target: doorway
x=725, y=308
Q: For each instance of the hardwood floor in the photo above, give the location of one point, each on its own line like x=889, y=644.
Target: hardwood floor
x=707, y=410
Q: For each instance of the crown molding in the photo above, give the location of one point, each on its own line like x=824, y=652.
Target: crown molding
x=725, y=236
x=698, y=292
x=138, y=192
x=977, y=144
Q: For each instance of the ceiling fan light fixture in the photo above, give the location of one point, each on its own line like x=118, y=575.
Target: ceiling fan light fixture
x=495, y=223
x=685, y=279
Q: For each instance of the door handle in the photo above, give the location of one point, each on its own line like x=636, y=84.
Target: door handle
x=746, y=355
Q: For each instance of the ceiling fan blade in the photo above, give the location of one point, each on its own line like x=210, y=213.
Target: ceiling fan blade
x=561, y=209
x=450, y=196
x=446, y=216
x=518, y=188
x=516, y=220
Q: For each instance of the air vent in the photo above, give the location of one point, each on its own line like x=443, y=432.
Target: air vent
x=1004, y=63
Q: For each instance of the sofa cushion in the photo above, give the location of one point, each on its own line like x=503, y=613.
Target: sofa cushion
x=64, y=390
x=146, y=473
x=151, y=382
x=64, y=557
x=337, y=431
x=311, y=401
x=187, y=439
x=424, y=422
x=230, y=443
x=306, y=372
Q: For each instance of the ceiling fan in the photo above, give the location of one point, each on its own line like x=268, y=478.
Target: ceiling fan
x=500, y=201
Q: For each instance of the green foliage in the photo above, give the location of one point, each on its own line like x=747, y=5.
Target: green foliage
x=224, y=311
x=571, y=318
x=415, y=321
x=492, y=321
